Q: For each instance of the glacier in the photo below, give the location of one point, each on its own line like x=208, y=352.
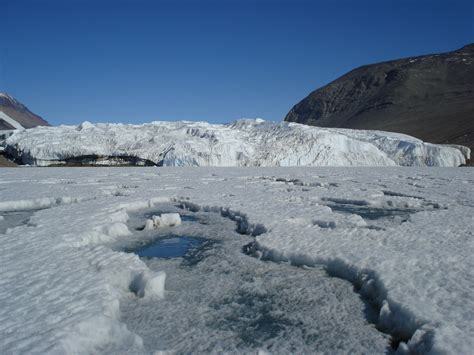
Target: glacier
x=245, y=142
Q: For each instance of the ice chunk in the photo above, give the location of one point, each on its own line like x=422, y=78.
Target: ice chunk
x=149, y=285
x=164, y=220
x=170, y=219
x=155, y=285
x=385, y=311
x=149, y=224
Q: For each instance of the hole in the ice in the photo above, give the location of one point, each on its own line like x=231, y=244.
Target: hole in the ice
x=173, y=247
x=186, y=241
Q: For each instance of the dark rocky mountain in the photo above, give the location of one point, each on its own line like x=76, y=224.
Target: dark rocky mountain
x=19, y=113
x=430, y=97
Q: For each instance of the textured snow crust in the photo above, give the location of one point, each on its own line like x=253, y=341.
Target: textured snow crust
x=402, y=236
x=245, y=142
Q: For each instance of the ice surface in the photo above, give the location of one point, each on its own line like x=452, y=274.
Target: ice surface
x=218, y=298
x=242, y=143
x=67, y=286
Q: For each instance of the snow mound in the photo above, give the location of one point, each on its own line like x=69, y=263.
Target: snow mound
x=246, y=142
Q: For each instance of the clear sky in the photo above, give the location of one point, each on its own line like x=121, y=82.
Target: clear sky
x=138, y=61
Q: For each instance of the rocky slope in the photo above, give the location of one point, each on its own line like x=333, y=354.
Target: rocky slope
x=430, y=97
x=14, y=114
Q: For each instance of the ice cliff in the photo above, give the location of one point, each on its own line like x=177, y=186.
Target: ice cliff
x=246, y=142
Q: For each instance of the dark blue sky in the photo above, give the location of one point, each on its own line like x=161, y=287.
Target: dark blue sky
x=138, y=61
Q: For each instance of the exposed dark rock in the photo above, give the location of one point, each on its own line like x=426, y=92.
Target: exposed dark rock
x=21, y=158
x=430, y=97
x=5, y=162
x=18, y=112
x=5, y=125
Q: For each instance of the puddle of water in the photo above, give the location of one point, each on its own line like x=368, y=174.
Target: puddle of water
x=169, y=247
x=14, y=219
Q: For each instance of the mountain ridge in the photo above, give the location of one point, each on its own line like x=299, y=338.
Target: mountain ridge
x=430, y=97
x=18, y=112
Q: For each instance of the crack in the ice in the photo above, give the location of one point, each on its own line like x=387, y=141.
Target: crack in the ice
x=398, y=194
x=398, y=211
x=390, y=317
x=298, y=182
x=243, y=225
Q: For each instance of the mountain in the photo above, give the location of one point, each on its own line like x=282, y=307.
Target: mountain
x=242, y=143
x=430, y=97
x=15, y=115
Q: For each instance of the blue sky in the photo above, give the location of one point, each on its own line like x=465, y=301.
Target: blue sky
x=138, y=61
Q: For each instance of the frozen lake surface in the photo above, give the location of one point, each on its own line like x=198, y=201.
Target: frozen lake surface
x=282, y=260
x=219, y=298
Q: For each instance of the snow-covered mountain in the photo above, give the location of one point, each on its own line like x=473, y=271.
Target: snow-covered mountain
x=245, y=142
x=15, y=115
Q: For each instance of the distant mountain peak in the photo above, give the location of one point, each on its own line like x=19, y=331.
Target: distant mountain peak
x=7, y=100
x=18, y=112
